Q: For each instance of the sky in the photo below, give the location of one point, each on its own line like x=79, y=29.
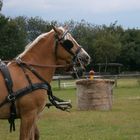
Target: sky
x=98, y=12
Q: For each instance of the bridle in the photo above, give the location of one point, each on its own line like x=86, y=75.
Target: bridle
x=67, y=45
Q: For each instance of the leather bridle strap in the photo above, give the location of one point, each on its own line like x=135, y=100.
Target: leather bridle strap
x=56, y=47
x=59, y=40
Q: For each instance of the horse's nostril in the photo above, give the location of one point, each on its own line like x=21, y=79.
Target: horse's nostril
x=87, y=57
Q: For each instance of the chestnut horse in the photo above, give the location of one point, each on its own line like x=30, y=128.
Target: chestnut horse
x=48, y=51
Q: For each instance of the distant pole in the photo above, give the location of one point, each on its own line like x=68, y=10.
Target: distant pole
x=59, y=82
x=116, y=77
x=99, y=68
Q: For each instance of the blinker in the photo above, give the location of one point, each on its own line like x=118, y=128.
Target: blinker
x=67, y=44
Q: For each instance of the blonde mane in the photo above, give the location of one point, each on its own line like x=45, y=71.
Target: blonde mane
x=30, y=45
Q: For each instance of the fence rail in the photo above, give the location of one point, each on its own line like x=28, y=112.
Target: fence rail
x=66, y=81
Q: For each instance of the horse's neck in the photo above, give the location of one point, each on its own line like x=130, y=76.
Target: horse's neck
x=42, y=53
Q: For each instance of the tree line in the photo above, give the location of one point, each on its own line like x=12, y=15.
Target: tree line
x=105, y=44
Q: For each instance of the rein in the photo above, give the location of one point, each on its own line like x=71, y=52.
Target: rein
x=43, y=66
x=38, y=65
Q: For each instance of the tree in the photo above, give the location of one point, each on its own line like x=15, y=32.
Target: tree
x=11, y=38
x=1, y=3
x=130, y=52
x=36, y=26
x=84, y=33
x=107, y=45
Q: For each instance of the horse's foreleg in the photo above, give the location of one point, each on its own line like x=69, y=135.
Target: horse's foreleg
x=36, y=133
x=27, y=127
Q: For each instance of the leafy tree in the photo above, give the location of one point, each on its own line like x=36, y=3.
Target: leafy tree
x=107, y=45
x=36, y=26
x=1, y=3
x=84, y=33
x=12, y=41
x=21, y=23
x=130, y=52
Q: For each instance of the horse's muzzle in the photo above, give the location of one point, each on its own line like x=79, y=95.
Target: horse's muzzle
x=83, y=57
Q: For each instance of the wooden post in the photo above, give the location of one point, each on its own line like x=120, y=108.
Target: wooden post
x=116, y=77
x=59, y=82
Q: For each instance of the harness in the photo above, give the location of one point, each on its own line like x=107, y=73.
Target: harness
x=14, y=95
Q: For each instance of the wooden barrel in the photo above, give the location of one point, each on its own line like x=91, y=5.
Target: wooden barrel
x=94, y=94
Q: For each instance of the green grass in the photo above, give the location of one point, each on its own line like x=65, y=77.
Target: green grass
x=120, y=123
x=129, y=82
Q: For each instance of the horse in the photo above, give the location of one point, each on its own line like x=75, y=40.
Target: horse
x=37, y=64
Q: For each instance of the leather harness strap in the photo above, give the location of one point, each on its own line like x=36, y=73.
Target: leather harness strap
x=53, y=99
x=13, y=95
x=9, y=84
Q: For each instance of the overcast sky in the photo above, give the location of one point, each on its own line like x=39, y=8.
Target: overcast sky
x=126, y=12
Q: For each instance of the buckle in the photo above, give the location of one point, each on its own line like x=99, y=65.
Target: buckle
x=11, y=97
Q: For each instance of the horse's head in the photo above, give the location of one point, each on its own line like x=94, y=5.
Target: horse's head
x=67, y=50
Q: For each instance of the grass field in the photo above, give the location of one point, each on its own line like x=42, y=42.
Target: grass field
x=120, y=123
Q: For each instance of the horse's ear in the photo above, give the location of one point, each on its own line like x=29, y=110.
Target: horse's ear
x=66, y=27
x=54, y=28
x=58, y=33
